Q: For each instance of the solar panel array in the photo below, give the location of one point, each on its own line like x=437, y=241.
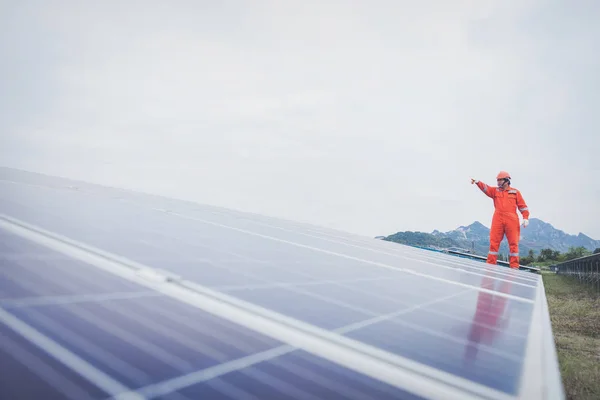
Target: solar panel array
x=110, y=293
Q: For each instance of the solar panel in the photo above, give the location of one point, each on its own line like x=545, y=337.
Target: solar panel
x=111, y=293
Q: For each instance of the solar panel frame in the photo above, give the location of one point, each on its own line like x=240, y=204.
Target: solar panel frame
x=52, y=324
x=540, y=342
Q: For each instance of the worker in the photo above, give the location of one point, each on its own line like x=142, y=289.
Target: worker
x=505, y=221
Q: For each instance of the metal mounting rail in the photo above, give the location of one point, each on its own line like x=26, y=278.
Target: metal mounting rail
x=481, y=258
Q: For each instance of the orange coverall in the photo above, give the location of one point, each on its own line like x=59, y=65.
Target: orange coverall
x=505, y=221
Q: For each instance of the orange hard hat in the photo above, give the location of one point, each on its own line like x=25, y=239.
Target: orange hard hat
x=503, y=175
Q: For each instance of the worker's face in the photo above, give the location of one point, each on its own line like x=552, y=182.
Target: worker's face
x=501, y=182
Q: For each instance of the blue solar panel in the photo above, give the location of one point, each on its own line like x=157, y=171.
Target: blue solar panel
x=30, y=373
x=247, y=306
x=143, y=338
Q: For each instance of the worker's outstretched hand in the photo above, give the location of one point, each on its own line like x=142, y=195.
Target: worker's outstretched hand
x=474, y=181
x=525, y=223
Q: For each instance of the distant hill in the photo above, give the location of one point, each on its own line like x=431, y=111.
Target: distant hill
x=537, y=236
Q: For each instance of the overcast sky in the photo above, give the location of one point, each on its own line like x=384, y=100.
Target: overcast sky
x=367, y=116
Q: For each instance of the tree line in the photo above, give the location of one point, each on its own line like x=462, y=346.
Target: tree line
x=549, y=256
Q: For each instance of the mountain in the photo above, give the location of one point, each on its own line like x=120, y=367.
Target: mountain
x=537, y=236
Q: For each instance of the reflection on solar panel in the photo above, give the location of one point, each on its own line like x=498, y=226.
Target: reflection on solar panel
x=106, y=293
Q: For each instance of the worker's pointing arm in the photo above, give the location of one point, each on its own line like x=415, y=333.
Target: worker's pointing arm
x=489, y=191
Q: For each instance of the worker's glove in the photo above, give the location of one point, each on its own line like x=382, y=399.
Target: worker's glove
x=525, y=223
x=474, y=181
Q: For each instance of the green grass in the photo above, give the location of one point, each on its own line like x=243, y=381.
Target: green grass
x=543, y=263
x=575, y=315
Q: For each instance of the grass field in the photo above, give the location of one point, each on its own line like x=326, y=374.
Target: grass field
x=575, y=315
